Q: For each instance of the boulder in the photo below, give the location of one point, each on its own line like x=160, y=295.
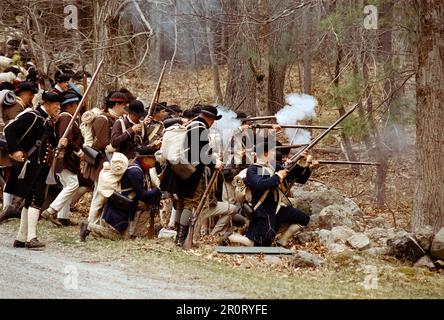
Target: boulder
x=405, y=247
x=325, y=237
x=359, y=241
x=437, y=249
x=425, y=262
x=341, y=233
x=314, y=222
x=378, y=222
x=378, y=251
x=308, y=236
x=424, y=236
x=379, y=236
x=339, y=248
x=338, y=215
x=306, y=259
x=313, y=196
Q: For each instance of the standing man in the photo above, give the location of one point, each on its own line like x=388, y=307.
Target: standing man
x=58, y=210
x=62, y=83
x=155, y=123
x=129, y=133
x=29, y=138
x=199, y=154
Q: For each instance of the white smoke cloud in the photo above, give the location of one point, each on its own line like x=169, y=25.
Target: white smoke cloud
x=299, y=107
x=226, y=125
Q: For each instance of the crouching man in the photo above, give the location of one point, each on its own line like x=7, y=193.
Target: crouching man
x=271, y=210
x=119, y=212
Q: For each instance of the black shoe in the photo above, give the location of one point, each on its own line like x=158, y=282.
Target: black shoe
x=182, y=235
x=84, y=232
x=65, y=222
x=34, y=244
x=10, y=212
x=18, y=244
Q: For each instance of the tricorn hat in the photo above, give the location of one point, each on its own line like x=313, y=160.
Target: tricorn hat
x=210, y=111
x=136, y=107
x=146, y=151
x=26, y=86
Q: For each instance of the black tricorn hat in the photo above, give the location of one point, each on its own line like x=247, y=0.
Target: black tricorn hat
x=210, y=111
x=146, y=151
x=62, y=77
x=136, y=107
x=26, y=86
x=51, y=97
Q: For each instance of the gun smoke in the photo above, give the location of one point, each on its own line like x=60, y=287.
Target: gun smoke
x=299, y=107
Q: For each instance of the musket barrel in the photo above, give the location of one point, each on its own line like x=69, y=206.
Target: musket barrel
x=359, y=163
x=296, y=126
x=251, y=119
x=291, y=146
x=294, y=159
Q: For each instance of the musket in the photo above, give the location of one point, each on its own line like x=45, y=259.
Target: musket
x=296, y=126
x=251, y=119
x=360, y=163
x=156, y=93
x=291, y=146
x=51, y=176
x=294, y=159
x=240, y=103
x=189, y=239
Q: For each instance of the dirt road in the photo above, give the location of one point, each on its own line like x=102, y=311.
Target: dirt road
x=51, y=275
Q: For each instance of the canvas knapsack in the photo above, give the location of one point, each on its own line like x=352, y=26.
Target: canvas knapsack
x=242, y=192
x=86, y=126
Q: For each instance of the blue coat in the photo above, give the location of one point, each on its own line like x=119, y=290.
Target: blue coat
x=263, y=228
x=134, y=180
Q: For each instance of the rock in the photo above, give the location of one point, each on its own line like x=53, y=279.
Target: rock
x=379, y=235
x=305, y=259
x=337, y=215
x=405, y=247
x=339, y=248
x=313, y=196
x=325, y=237
x=272, y=259
x=426, y=262
x=437, y=249
x=377, y=251
x=359, y=241
x=308, y=236
x=424, y=236
x=314, y=222
x=378, y=222
x=341, y=233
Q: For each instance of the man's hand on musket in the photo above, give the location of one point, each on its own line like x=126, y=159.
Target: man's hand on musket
x=314, y=164
x=282, y=173
x=276, y=127
x=148, y=120
x=156, y=143
x=18, y=156
x=63, y=142
x=219, y=165
x=245, y=127
x=137, y=128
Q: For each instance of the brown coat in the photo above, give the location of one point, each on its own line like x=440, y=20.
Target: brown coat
x=9, y=113
x=75, y=141
x=126, y=141
x=102, y=137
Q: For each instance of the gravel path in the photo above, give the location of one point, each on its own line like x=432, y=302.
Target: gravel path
x=50, y=275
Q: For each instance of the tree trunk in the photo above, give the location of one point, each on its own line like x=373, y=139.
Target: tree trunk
x=349, y=153
x=428, y=207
